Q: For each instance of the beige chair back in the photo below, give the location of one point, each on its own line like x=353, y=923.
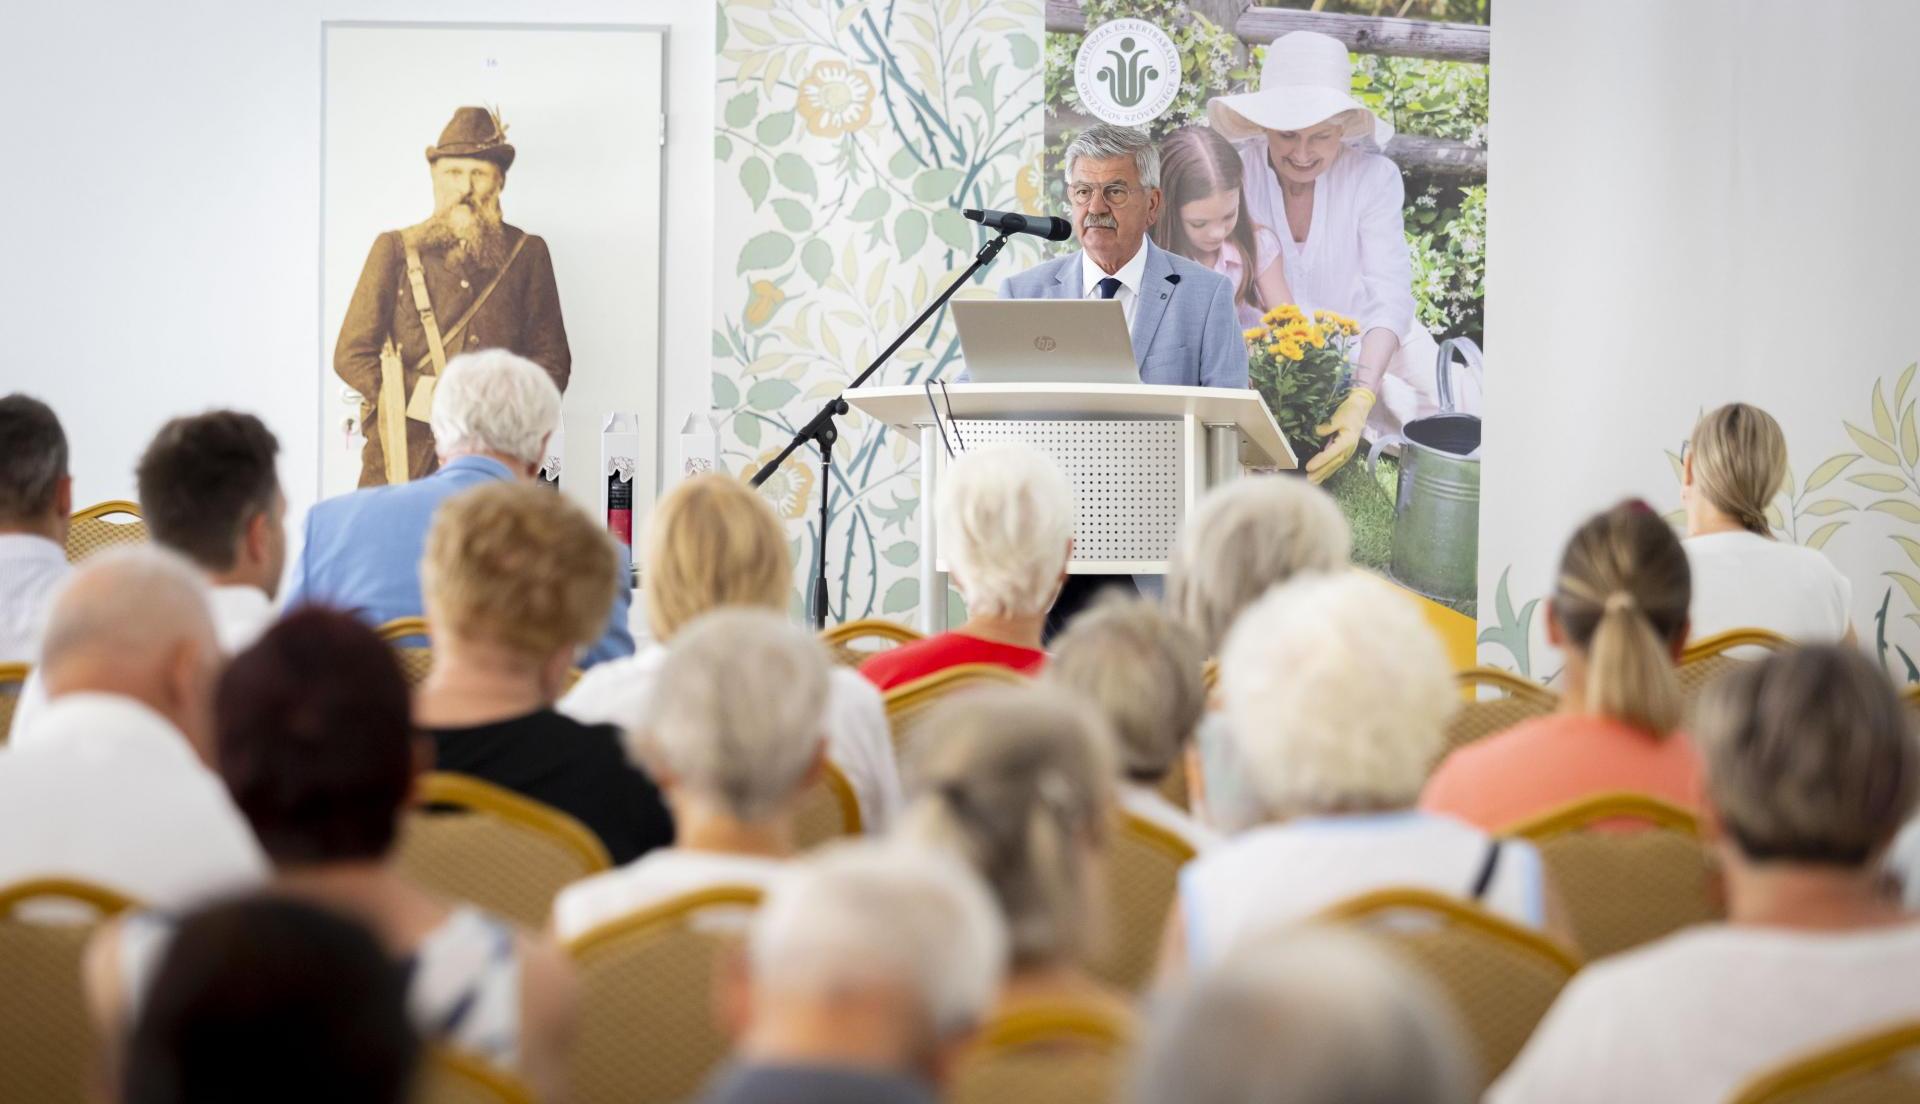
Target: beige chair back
x=1501, y=977
x=451, y=1077
x=907, y=702
x=647, y=1027
x=842, y=640
x=416, y=659
x=1708, y=658
x=829, y=810
x=1629, y=868
x=1882, y=1067
x=1056, y=1052
x=89, y=531
x=1477, y=718
x=499, y=850
x=1142, y=873
x=13, y=677
x=48, y=1048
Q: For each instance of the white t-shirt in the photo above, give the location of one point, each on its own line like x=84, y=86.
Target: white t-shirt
x=1696, y=1015
x=1743, y=580
x=659, y=875
x=1278, y=874
x=858, y=740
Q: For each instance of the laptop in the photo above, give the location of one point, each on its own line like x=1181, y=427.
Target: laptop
x=1045, y=341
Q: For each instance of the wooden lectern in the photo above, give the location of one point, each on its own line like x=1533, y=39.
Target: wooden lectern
x=1138, y=457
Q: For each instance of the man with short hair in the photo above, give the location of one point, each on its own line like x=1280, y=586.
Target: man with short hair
x=36, y=497
x=493, y=413
x=870, y=965
x=112, y=787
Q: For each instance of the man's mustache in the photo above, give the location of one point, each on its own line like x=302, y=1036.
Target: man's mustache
x=1099, y=222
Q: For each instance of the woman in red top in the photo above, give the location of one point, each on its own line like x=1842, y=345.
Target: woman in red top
x=1006, y=526
x=1619, y=615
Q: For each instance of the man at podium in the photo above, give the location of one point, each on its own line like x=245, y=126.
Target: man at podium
x=1180, y=313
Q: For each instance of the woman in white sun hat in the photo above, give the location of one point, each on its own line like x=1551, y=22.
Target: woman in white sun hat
x=1337, y=211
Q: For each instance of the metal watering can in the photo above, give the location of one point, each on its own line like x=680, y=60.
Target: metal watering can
x=1436, y=512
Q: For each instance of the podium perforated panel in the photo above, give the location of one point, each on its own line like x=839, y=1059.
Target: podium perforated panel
x=1126, y=478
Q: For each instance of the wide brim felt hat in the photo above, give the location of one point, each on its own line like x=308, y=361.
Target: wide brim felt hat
x=474, y=132
x=1306, y=80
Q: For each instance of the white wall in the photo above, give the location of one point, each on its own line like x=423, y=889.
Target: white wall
x=161, y=193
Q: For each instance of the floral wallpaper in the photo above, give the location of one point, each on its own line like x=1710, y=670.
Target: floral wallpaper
x=850, y=134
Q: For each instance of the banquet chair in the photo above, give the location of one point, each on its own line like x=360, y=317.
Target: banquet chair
x=1708, y=658
x=1142, y=872
x=13, y=676
x=1478, y=718
x=1501, y=977
x=1629, y=868
x=506, y=853
x=48, y=1047
x=1058, y=1051
x=840, y=639
x=829, y=809
x=1880, y=1067
x=408, y=636
x=449, y=1076
x=647, y=1027
x=907, y=702
x=90, y=531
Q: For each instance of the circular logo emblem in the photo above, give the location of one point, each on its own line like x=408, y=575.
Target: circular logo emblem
x=1045, y=344
x=1127, y=72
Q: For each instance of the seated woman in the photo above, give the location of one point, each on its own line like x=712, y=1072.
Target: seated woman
x=1619, y=616
x=713, y=542
x=734, y=731
x=517, y=580
x=1141, y=669
x=1811, y=767
x=1006, y=528
x=313, y=739
x=1019, y=782
x=1336, y=693
x=1735, y=463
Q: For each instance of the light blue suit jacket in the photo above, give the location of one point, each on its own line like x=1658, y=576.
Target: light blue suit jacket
x=1185, y=329
x=362, y=551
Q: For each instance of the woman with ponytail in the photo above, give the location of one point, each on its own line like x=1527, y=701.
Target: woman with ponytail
x=1743, y=578
x=1618, y=614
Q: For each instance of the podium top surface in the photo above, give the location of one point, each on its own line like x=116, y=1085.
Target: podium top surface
x=905, y=408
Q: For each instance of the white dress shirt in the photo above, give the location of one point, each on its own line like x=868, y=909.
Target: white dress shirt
x=858, y=740
x=31, y=567
x=1130, y=275
x=659, y=875
x=107, y=791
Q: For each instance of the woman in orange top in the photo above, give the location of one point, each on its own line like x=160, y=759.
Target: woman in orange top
x=1619, y=615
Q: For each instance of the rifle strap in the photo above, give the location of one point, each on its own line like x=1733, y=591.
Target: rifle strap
x=436, y=354
x=417, y=277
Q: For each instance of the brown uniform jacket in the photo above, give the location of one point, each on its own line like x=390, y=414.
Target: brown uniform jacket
x=523, y=315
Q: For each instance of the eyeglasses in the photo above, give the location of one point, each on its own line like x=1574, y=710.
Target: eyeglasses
x=1116, y=194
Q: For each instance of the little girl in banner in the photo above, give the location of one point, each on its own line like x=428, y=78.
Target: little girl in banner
x=1205, y=219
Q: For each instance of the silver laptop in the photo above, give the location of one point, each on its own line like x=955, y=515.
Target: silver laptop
x=1045, y=341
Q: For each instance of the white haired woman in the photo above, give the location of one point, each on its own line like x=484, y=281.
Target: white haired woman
x=1337, y=210
x=1006, y=526
x=733, y=732
x=1336, y=694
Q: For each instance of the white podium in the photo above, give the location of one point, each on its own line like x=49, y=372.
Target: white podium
x=1138, y=457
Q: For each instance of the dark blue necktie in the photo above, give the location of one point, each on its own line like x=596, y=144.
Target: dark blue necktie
x=1108, y=287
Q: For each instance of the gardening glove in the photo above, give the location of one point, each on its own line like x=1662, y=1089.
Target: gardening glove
x=1342, y=432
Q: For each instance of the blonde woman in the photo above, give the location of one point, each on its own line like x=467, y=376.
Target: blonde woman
x=1743, y=578
x=713, y=542
x=1619, y=616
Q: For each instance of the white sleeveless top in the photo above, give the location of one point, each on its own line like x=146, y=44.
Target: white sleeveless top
x=1284, y=873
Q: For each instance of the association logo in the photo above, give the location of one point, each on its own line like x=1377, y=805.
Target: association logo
x=1127, y=72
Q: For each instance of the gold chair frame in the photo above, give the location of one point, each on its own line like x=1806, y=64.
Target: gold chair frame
x=1453, y=911
x=100, y=511
x=661, y=915
x=480, y=796
x=106, y=901
x=1613, y=805
x=12, y=675
x=1856, y=1055
x=908, y=699
x=1708, y=646
x=839, y=638
x=473, y=1072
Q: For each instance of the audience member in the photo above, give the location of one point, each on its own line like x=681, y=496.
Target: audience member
x=734, y=732
x=1619, y=616
x=713, y=542
x=517, y=580
x=110, y=784
x=1336, y=693
x=1811, y=767
x=266, y=998
x=1006, y=528
x=492, y=414
x=314, y=742
x=36, y=500
x=868, y=967
x=1142, y=670
x=1019, y=781
x=1314, y=1016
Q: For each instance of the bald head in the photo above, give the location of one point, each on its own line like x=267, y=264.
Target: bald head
x=134, y=622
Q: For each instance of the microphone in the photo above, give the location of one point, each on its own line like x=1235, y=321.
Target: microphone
x=1009, y=222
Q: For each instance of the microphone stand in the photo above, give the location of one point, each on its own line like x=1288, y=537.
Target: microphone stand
x=822, y=431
